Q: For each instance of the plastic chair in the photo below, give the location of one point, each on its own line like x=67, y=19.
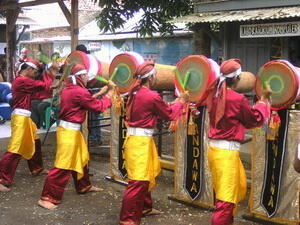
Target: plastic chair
x=51, y=113
x=51, y=116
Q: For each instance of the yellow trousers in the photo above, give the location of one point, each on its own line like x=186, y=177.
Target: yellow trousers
x=228, y=174
x=23, y=134
x=141, y=159
x=72, y=152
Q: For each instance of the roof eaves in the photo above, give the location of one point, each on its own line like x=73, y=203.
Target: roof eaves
x=241, y=15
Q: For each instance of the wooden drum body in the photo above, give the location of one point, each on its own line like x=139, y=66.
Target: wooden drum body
x=127, y=64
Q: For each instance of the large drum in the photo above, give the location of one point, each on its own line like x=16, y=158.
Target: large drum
x=126, y=64
x=164, y=79
x=283, y=79
x=196, y=73
x=92, y=64
x=245, y=83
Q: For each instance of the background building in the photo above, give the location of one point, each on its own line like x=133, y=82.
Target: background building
x=105, y=46
x=253, y=30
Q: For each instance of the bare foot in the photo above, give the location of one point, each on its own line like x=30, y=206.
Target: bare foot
x=153, y=212
x=47, y=205
x=44, y=171
x=95, y=189
x=4, y=188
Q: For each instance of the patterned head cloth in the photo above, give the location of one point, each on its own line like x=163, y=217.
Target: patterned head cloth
x=145, y=70
x=77, y=69
x=231, y=68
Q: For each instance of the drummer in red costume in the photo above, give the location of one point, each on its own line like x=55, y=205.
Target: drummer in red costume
x=24, y=141
x=144, y=107
x=72, y=154
x=230, y=115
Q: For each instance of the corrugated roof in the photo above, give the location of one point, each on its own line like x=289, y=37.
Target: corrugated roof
x=241, y=15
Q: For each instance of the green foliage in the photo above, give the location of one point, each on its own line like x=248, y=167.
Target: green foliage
x=114, y=14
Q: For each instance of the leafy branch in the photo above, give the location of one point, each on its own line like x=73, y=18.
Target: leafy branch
x=156, y=15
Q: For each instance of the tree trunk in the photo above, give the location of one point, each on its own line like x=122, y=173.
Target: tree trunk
x=201, y=40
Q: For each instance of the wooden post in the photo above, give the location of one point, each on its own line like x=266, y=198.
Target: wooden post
x=65, y=11
x=74, y=24
x=11, y=18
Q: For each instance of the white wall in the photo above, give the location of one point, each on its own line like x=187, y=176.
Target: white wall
x=108, y=50
x=2, y=46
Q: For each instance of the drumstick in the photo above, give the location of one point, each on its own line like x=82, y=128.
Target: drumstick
x=177, y=75
x=186, y=79
x=102, y=79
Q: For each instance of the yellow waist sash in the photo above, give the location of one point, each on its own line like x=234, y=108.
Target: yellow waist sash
x=71, y=152
x=228, y=174
x=141, y=159
x=23, y=134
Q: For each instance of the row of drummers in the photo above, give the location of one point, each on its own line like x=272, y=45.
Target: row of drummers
x=195, y=73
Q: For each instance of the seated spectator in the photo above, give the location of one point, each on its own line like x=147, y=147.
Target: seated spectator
x=42, y=100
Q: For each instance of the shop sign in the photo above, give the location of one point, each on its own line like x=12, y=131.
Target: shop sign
x=270, y=30
x=94, y=45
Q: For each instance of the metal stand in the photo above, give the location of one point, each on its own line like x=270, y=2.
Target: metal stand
x=109, y=178
x=172, y=198
x=259, y=220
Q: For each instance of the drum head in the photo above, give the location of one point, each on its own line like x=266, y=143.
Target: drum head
x=95, y=67
x=125, y=65
x=198, y=73
x=283, y=80
x=79, y=57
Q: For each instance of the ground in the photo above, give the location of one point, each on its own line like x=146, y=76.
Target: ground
x=19, y=207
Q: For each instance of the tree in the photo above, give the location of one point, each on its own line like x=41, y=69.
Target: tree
x=114, y=14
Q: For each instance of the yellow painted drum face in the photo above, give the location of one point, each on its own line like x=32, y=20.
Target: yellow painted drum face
x=283, y=80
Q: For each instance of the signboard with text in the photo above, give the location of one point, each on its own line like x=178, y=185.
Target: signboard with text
x=270, y=30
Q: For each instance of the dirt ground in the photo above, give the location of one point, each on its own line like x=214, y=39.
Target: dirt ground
x=19, y=207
